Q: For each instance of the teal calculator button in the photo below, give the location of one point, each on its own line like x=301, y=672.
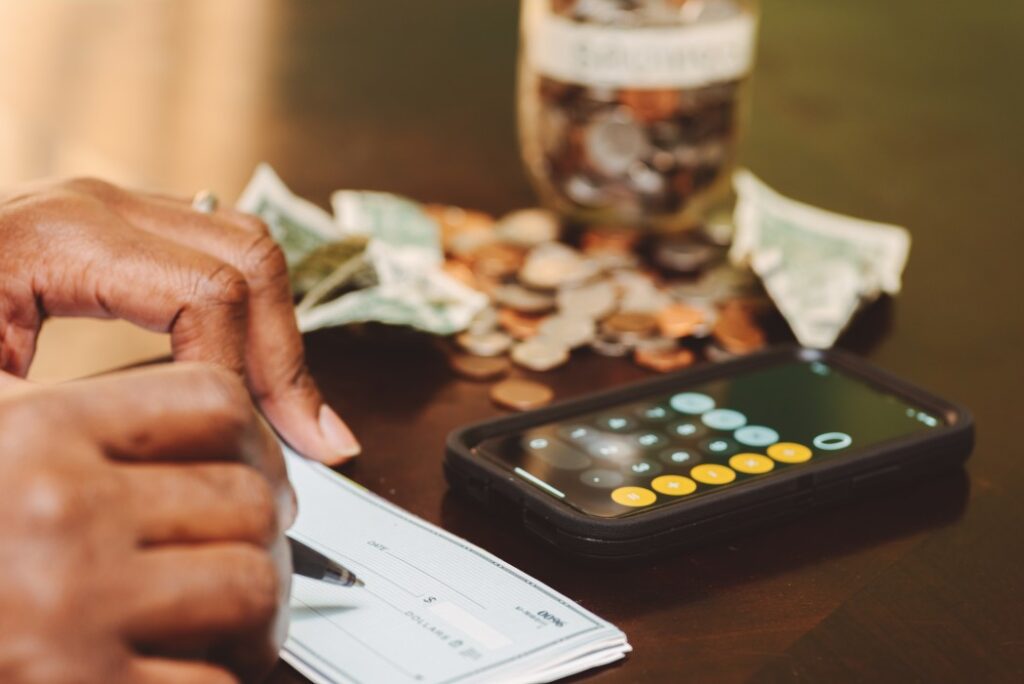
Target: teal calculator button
x=724, y=419
x=692, y=403
x=756, y=436
x=833, y=441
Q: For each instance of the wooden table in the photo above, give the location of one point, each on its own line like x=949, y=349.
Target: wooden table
x=901, y=112
x=908, y=112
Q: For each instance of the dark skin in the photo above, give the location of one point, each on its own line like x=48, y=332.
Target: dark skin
x=143, y=512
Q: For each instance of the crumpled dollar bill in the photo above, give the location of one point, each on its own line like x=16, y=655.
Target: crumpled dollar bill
x=378, y=258
x=819, y=267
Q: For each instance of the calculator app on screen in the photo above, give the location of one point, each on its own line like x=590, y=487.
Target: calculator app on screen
x=706, y=437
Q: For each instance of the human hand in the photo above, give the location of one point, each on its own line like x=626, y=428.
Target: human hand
x=218, y=283
x=142, y=517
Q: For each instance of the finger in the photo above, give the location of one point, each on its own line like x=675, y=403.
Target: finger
x=196, y=591
x=154, y=282
x=180, y=412
x=274, y=355
x=21, y=321
x=208, y=502
x=169, y=671
x=168, y=412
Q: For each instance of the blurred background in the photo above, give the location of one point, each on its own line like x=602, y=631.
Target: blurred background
x=902, y=112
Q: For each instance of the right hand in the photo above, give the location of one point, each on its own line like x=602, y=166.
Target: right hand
x=141, y=530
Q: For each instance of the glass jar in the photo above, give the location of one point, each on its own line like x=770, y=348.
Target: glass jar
x=629, y=110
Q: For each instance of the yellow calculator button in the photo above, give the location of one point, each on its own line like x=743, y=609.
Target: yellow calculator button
x=674, y=485
x=789, y=452
x=751, y=464
x=712, y=474
x=633, y=496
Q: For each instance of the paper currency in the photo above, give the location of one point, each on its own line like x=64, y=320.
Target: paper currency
x=818, y=267
x=298, y=225
x=378, y=259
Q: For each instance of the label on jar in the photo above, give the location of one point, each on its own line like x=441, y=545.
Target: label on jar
x=640, y=57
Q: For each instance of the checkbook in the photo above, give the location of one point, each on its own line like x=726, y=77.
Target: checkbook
x=435, y=608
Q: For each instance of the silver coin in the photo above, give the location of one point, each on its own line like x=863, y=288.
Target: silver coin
x=492, y=343
x=685, y=254
x=484, y=322
x=595, y=300
x=613, y=143
x=553, y=264
x=570, y=331
x=610, y=345
x=540, y=354
x=528, y=227
x=523, y=299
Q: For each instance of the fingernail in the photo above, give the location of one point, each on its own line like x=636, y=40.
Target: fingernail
x=337, y=435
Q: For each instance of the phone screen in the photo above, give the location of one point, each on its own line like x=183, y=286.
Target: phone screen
x=707, y=437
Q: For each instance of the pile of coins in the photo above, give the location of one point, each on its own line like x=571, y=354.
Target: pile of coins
x=631, y=153
x=550, y=299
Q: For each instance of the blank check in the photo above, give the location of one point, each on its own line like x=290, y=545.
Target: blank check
x=435, y=608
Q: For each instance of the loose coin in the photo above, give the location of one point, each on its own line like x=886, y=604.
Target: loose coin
x=486, y=344
x=553, y=264
x=568, y=331
x=521, y=326
x=521, y=395
x=685, y=255
x=528, y=227
x=479, y=367
x=610, y=345
x=540, y=354
x=523, y=299
x=594, y=301
x=631, y=322
x=496, y=260
x=664, y=361
x=679, y=320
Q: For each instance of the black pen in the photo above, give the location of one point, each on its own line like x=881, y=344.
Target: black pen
x=310, y=563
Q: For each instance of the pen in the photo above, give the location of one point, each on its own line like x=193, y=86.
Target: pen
x=310, y=563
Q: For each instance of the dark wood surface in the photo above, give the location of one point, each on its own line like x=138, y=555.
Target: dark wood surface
x=906, y=112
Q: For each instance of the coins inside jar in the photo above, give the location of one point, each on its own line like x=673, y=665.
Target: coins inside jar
x=629, y=109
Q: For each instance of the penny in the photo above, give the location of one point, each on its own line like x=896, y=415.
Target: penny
x=651, y=105
x=679, y=320
x=455, y=221
x=540, y=354
x=736, y=330
x=496, y=260
x=479, y=367
x=618, y=240
x=663, y=361
x=521, y=326
x=631, y=322
x=459, y=271
x=521, y=395
x=485, y=344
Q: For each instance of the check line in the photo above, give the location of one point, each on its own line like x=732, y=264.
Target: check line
x=437, y=579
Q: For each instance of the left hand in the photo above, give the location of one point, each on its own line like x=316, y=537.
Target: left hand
x=218, y=283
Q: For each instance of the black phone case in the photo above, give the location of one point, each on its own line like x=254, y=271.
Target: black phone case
x=687, y=523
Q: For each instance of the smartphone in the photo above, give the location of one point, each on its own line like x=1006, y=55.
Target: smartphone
x=649, y=467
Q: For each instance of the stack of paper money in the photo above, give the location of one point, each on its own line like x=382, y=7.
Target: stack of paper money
x=378, y=259
x=818, y=267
